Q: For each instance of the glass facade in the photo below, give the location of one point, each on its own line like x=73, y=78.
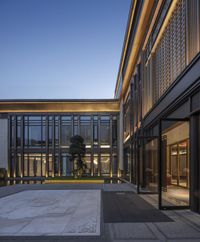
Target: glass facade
x=39, y=144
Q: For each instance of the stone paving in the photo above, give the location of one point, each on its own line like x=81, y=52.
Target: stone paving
x=185, y=228
x=51, y=212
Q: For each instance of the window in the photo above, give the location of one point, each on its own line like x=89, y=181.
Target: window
x=95, y=133
x=85, y=129
x=50, y=166
x=105, y=164
x=25, y=165
x=56, y=165
x=114, y=165
x=18, y=131
x=44, y=165
x=35, y=135
x=12, y=166
x=95, y=164
x=19, y=166
x=66, y=130
x=105, y=130
x=114, y=131
x=34, y=131
x=66, y=165
x=88, y=164
x=13, y=131
x=76, y=130
x=50, y=130
x=56, y=131
x=66, y=134
x=95, y=130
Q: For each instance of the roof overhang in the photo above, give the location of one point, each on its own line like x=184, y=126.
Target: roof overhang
x=75, y=106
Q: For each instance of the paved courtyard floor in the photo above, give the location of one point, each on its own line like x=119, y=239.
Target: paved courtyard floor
x=183, y=225
x=51, y=212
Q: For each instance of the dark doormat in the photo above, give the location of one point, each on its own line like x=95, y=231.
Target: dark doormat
x=128, y=207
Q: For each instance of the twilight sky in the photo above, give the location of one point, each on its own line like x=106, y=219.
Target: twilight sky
x=60, y=48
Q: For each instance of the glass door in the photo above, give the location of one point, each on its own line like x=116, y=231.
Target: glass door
x=174, y=164
x=147, y=162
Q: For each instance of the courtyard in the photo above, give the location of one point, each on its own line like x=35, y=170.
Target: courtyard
x=90, y=212
x=51, y=212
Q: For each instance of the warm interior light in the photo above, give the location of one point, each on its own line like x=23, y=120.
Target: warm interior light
x=105, y=146
x=95, y=161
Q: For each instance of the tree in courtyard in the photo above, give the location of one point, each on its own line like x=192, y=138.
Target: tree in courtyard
x=77, y=153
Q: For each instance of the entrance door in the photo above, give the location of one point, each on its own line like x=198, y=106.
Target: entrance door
x=174, y=164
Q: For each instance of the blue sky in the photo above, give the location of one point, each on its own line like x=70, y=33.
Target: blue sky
x=60, y=48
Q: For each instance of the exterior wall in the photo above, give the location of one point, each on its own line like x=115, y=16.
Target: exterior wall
x=4, y=143
x=165, y=78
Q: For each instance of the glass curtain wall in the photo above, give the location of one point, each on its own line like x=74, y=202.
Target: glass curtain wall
x=39, y=144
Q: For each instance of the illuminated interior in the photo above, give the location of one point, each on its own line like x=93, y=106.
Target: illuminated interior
x=39, y=144
x=175, y=176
